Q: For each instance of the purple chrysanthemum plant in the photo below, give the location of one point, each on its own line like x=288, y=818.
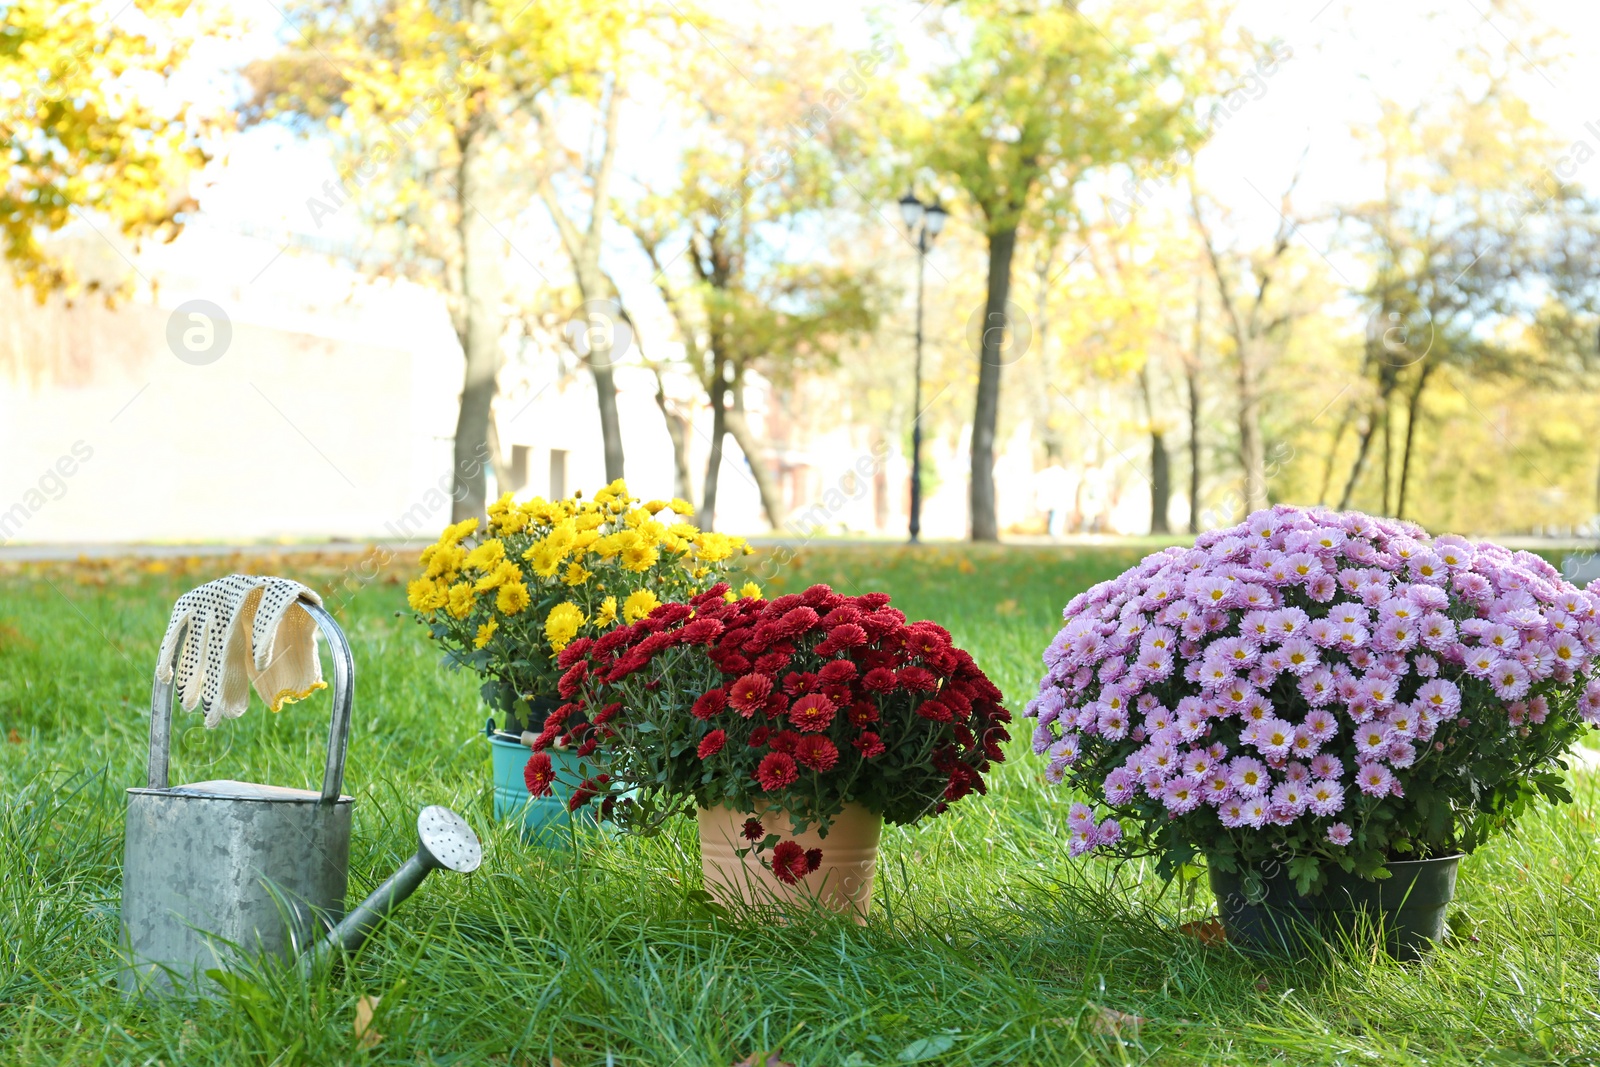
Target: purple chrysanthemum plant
x=1316, y=689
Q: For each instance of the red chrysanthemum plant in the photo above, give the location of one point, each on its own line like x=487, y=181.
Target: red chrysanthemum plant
x=804, y=704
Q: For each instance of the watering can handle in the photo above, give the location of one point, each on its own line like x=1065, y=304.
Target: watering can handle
x=344, y=675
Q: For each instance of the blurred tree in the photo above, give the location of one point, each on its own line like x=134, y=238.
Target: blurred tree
x=1258, y=322
x=1032, y=96
x=768, y=140
x=1480, y=252
x=428, y=102
x=84, y=131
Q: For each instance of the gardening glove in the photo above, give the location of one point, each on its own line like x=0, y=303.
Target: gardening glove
x=229, y=632
x=284, y=666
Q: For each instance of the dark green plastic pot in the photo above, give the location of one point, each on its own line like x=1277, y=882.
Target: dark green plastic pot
x=1408, y=908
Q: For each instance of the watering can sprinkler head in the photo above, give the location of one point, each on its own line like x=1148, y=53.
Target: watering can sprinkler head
x=444, y=842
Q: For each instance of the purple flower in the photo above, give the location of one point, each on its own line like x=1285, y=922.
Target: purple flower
x=1374, y=779
x=1325, y=797
x=1248, y=776
x=1327, y=765
x=1339, y=834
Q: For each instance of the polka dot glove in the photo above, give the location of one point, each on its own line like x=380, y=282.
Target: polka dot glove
x=236, y=631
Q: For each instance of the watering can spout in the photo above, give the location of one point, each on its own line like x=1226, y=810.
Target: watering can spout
x=445, y=842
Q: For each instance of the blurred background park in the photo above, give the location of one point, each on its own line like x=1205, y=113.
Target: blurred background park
x=310, y=270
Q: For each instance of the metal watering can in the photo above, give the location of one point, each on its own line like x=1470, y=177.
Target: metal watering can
x=218, y=868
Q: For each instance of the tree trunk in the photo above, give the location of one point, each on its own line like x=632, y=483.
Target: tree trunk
x=678, y=430
x=1360, y=461
x=1191, y=373
x=718, y=392
x=1413, y=407
x=771, y=500
x=479, y=330
x=1252, y=451
x=605, y=386
x=1333, y=453
x=985, y=418
x=1160, y=485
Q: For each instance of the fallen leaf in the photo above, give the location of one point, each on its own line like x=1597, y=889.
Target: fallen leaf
x=1109, y=1022
x=763, y=1059
x=1263, y=986
x=14, y=737
x=555, y=1061
x=366, y=1036
x=1208, y=932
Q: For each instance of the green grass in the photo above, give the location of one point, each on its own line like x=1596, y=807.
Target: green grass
x=987, y=945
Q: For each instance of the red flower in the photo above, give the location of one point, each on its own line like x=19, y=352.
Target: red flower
x=711, y=744
x=777, y=706
x=869, y=744
x=872, y=601
x=574, y=652
x=538, y=774
x=816, y=752
x=758, y=736
x=847, y=635
x=588, y=747
x=917, y=679
x=776, y=771
x=837, y=672
x=546, y=738
x=863, y=712
x=813, y=859
x=772, y=662
x=784, y=741
x=789, y=862
x=811, y=713
x=734, y=664
x=880, y=680
x=607, y=713
x=574, y=676
x=797, y=621
x=933, y=710
x=710, y=704
x=842, y=614
x=702, y=631
x=799, y=683
x=753, y=831
x=749, y=693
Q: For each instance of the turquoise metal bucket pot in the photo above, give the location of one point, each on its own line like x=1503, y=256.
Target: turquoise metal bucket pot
x=545, y=820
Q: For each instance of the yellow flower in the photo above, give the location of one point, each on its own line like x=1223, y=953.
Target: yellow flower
x=585, y=539
x=607, y=613
x=503, y=574
x=485, y=632
x=683, y=529
x=716, y=547
x=512, y=598
x=609, y=545
x=500, y=511
x=750, y=590
x=639, y=557
x=576, y=574
x=730, y=596
x=487, y=556
x=681, y=507
x=561, y=625
x=453, y=534
x=421, y=595
x=588, y=520
x=443, y=561
x=461, y=600
x=545, y=559
x=655, y=506
x=638, y=605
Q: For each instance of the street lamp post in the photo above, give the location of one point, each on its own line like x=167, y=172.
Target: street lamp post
x=923, y=223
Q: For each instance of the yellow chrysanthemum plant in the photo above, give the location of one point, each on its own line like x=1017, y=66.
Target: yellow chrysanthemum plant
x=505, y=600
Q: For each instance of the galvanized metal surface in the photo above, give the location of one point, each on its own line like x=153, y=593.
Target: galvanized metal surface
x=220, y=867
x=444, y=842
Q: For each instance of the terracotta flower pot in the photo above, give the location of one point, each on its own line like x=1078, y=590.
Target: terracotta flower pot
x=843, y=882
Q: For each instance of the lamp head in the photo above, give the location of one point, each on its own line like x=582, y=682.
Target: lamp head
x=911, y=210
